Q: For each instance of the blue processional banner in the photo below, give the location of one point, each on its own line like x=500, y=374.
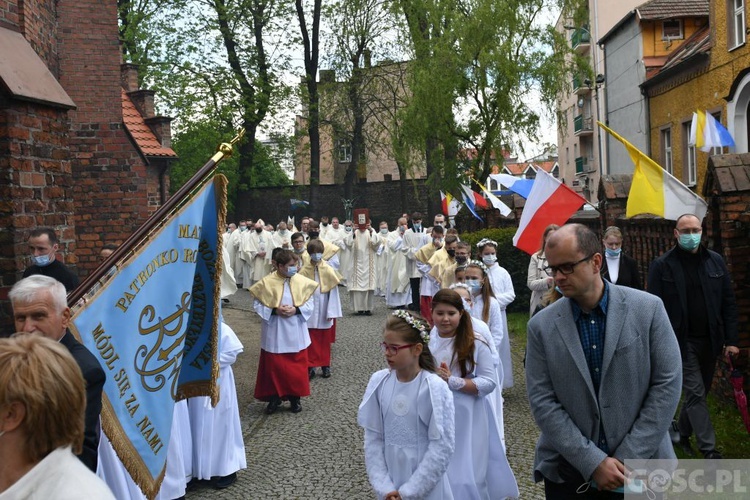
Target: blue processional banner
x=153, y=326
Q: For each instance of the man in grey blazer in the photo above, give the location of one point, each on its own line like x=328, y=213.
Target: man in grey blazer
x=603, y=374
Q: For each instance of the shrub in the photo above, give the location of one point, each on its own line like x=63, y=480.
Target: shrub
x=515, y=261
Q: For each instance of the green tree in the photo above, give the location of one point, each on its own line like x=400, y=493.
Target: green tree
x=196, y=144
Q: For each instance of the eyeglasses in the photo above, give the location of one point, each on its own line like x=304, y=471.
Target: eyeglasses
x=566, y=269
x=393, y=349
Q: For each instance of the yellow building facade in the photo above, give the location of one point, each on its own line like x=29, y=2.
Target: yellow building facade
x=709, y=72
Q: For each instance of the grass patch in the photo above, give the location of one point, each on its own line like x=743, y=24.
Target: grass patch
x=732, y=438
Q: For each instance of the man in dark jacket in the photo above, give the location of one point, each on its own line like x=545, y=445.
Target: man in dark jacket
x=695, y=286
x=40, y=306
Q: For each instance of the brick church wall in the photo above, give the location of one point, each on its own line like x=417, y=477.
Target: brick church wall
x=114, y=190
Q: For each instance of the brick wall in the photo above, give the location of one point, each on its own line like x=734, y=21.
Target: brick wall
x=114, y=190
x=382, y=198
x=35, y=186
x=9, y=14
x=38, y=20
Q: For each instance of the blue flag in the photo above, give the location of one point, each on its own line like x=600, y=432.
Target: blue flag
x=153, y=326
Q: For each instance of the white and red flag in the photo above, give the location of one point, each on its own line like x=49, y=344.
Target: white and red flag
x=549, y=202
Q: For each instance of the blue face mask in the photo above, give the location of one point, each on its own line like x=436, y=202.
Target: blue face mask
x=41, y=260
x=489, y=259
x=291, y=271
x=467, y=304
x=613, y=252
x=316, y=256
x=474, y=285
x=557, y=288
x=690, y=242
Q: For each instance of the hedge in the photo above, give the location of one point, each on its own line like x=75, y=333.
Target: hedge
x=515, y=261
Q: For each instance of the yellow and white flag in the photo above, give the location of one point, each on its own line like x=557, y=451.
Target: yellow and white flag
x=655, y=191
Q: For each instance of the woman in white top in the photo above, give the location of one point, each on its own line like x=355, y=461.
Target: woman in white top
x=42, y=402
x=479, y=468
x=407, y=413
x=538, y=281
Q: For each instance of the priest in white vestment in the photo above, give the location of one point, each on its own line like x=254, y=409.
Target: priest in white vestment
x=362, y=280
x=398, y=290
x=382, y=255
x=414, y=239
x=260, y=247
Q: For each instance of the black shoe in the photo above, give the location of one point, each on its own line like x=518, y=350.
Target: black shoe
x=273, y=405
x=712, y=455
x=326, y=371
x=311, y=373
x=368, y=313
x=296, y=406
x=684, y=444
x=360, y=313
x=221, y=482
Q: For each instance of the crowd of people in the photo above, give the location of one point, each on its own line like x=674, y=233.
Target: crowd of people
x=606, y=361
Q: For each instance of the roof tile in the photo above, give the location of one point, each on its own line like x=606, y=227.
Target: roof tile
x=670, y=9
x=140, y=132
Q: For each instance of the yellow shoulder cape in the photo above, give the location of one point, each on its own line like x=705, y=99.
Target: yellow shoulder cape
x=270, y=289
x=425, y=253
x=329, y=278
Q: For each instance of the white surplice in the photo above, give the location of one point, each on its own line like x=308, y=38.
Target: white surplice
x=398, y=291
x=279, y=334
x=218, y=446
x=362, y=276
x=409, y=435
x=502, y=287
x=179, y=462
x=326, y=307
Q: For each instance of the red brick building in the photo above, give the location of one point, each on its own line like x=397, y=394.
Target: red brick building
x=80, y=148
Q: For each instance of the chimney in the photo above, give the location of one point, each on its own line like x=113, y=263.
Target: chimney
x=161, y=126
x=129, y=76
x=144, y=101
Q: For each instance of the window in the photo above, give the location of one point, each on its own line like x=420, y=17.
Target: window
x=345, y=151
x=735, y=23
x=666, y=149
x=671, y=29
x=689, y=171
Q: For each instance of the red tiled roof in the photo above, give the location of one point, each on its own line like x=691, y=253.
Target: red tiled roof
x=670, y=9
x=520, y=168
x=140, y=132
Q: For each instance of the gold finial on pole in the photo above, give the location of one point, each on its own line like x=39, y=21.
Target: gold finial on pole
x=225, y=149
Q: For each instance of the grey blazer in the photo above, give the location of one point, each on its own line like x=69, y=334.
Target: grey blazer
x=638, y=393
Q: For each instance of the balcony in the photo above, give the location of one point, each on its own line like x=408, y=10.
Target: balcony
x=578, y=87
x=584, y=165
x=580, y=40
x=583, y=125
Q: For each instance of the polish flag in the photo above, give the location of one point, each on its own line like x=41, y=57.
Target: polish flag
x=549, y=202
x=450, y=205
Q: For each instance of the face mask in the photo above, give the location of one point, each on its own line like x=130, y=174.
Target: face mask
x=348, y=229
x=451, y=253
x=461, y=259
x=313, y=234
x=316, y=256
x=557, y=288
x=383, y=230
x=258, y=230
x=299, y=250
x=243, y=228
x=467, y=304
x=439, y=224
x=437, y=241
x=474, y=285
x=402, y=229
x=283, y=232
x=325, y=224
x=489, y=259
x=690, y=242
x=41, y=260
x=612, y=252
x=291, y=271
x=417, y=227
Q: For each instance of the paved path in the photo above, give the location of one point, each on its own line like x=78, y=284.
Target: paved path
x=317, y=454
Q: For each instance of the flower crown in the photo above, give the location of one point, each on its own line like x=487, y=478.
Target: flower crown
x=418, y=324
x=479, y=264
x=486, y=241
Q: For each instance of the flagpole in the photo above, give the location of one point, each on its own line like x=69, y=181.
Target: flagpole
x=223, y=151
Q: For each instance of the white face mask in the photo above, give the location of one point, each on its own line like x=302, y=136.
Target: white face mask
x=467, y=304
x=489, y=259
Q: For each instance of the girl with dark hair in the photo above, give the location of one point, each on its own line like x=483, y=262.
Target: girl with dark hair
x=408, y=416
x=479, y=467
